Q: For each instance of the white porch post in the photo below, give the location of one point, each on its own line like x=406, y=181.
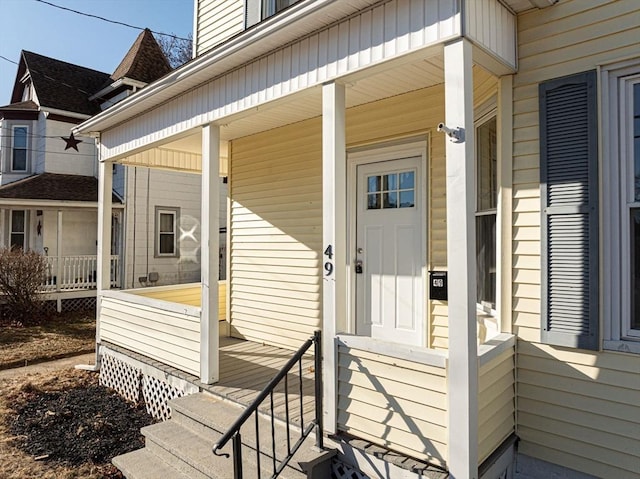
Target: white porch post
x=461, y=259
x=103, y=267
x=59, y=265
x=209, y=257
x=334, y=246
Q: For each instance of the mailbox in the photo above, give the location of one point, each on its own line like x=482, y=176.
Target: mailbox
x=438, y=285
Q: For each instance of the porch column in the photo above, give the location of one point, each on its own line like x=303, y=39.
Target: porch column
x=461, y=260
x=103, y=267
x=59, y=265
x=334, y=237
x=209, y=258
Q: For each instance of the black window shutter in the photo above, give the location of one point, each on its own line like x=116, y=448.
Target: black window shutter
x=569, y=195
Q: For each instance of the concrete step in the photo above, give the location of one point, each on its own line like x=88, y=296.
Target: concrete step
x=191, y=453
x=142, y=464
x=204, y=413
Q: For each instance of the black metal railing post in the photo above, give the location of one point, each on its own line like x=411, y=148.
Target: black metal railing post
x=233, y=433
x=237, y=456
x=317, y=339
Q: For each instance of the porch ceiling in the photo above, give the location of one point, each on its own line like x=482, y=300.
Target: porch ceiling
x=409, y=74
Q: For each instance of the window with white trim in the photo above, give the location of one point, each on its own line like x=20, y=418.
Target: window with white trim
x=19, y=148
x=486, y=211
x=18, y=229
x=630, y=158
x=621, y=194
x=166, y=232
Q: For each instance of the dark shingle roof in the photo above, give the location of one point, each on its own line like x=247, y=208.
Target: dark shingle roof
x=54, y=187
x=62, y=85
x=144, y=61
x=28, y=105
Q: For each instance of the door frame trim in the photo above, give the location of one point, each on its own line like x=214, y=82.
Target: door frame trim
x=375, y=153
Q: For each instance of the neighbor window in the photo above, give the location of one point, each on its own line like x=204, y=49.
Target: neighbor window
x=18, y=229
x=271, y=7
x=258, y=10
x=486, y=204
x=19, y=148
x=167, y=231
x=630, y=155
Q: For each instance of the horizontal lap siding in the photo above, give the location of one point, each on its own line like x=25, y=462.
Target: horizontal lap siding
x=496, y=403
x=576, y=408
x=393, y=403
x=276, y=234
x=169, y=337
x=216, y=21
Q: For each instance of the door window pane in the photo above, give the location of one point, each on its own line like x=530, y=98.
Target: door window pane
x=398, y=191
x=373, y=184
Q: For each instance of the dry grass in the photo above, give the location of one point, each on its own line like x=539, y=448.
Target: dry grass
x=15, y=464
x=58, y=337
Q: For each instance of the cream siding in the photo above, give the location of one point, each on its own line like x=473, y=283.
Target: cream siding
x=395, y=403
x=576, y=408
x=168, y=335
x=369, y=38
x=217, y=20
x=276, y=235
x=190, y=294
x=496, y=403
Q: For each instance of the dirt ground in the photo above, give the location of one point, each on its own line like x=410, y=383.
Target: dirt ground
x=63, y=425
x=60, y=336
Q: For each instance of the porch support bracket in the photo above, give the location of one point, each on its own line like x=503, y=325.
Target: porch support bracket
x=461, y=260
x=209, y=246
x=334, y=247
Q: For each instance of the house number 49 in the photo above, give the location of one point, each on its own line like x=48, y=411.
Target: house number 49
x=328, y=265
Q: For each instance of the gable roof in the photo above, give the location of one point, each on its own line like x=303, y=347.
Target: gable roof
x=54, y=187
x=58, y=84
x=145, y=60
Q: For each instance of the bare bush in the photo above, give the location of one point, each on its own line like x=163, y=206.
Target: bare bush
x=21, y=276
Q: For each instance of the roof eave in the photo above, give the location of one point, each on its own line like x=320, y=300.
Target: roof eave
x=230, y=54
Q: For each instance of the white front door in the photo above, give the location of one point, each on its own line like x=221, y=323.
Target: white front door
x=390, y=251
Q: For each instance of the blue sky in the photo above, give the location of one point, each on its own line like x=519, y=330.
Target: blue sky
x=40, y=28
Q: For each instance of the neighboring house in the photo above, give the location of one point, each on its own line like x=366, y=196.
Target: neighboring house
x=49, y=185
x=371, y=147
x=48, y=178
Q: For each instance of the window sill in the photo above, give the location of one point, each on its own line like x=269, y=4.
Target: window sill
x=622, y=346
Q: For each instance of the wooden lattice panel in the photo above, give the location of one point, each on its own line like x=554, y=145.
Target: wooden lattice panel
x=157, y=394
x=340, y=470
x=121, y=376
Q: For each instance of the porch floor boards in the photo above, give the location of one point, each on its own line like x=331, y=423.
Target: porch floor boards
x=247, y=367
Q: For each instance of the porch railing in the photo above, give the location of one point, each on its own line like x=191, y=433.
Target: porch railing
x=69, y=273
x=234, y=435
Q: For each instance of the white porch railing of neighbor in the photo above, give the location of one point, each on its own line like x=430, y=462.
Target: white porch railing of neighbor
x=70, y=273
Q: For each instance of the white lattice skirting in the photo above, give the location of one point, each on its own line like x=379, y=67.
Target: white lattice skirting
x=135, y=382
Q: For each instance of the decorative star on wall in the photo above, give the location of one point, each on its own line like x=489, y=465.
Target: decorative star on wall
x=71, y=142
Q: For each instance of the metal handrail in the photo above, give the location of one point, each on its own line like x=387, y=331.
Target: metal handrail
x=233, y=433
